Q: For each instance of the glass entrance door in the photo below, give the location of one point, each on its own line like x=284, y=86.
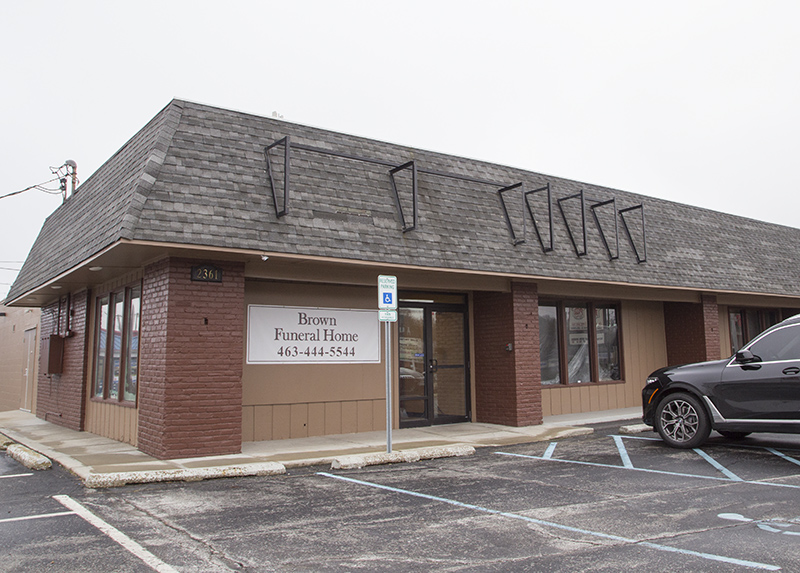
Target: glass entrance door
x=434, y=365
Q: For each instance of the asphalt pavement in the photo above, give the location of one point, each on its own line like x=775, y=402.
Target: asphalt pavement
x=102, y=462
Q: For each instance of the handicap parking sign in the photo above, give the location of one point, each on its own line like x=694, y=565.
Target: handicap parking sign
x=387, y=292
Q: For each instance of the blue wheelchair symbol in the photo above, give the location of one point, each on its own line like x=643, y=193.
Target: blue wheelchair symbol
x=387, y=298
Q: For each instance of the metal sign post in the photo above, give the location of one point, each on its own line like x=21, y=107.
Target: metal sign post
x=387, y=312
x=388, y=388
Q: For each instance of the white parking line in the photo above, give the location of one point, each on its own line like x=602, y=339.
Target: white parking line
x=782, y=455
x=627, y=540
x=16, y=476
x=718, y=466
x=623, y=453
x=646, y=470
x=40, y=516
x=151, y=560
x=549, y=451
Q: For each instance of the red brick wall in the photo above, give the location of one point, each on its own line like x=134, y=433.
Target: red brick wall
x=507, y=384
x=190, y=386
x=711, y=326
x=60, y=398
x=692, y=331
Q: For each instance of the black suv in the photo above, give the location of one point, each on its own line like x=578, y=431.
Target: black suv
x=756, y=390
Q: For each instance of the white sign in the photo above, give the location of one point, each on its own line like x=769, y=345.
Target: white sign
x=387, y=315
x=387, y=292
x=310, y=335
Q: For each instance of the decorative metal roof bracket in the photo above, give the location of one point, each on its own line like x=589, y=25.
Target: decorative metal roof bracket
x=640, y=257
x=549, y=216
x=287, y=152
x=514, y=239
x=613, y=202
x=580, y=253
x=413, y=166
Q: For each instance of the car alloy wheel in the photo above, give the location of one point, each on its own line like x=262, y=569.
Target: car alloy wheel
x=681, y=421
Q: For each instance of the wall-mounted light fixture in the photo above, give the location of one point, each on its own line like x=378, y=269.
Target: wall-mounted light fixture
x=95, y=269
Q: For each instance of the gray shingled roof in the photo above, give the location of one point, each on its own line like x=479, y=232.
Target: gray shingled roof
x=197, y=175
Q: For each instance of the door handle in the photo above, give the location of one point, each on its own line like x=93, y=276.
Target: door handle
x=791, y=370
x=434, y=365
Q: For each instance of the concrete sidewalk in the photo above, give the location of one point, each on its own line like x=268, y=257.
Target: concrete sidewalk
x=102, y=462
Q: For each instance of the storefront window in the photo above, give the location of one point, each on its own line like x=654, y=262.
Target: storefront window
x=132, y=345
x=101, y=349
x=747, y=323
x=591, y=353
x=578, y=344
x=116, y=370
x=116, y=352
x=608, y=363
x=548, y=344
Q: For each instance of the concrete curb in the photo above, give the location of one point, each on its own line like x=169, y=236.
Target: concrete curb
x=635, y=429
x=357, y=461
x=117, y=479
x=5, y=441
x=67, y=462
x=28, y=458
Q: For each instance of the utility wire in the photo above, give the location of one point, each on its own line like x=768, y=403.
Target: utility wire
x=39, y=187
x=7, y=269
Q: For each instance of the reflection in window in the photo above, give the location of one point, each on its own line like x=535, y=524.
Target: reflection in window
x=780, y=344
x=607, y=343
x=116, y=353
x=578, y=344
x=100, y=349
x=548, y=344
x=737, y=331
x=132, y=345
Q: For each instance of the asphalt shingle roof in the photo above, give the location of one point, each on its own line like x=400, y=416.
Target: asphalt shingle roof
x=197, y=175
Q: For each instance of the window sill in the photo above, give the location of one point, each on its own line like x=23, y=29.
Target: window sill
x=583, y=384
x=121, y=403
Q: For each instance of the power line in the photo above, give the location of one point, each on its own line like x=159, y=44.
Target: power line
x=7, y=269
x=39, y=187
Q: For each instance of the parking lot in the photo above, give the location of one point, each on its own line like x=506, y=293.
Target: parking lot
x=603, y=502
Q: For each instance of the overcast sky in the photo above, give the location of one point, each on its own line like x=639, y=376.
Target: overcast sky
x=692, y=101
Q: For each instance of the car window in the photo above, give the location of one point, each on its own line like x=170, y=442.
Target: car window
x=781, y=344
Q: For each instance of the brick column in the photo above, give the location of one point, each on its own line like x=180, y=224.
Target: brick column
x=60, y=398
x=190, y=371
x=508, y=383
x=692, y=330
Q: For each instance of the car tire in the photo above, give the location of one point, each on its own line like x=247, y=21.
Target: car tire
x=681, y=421
x=734, y=435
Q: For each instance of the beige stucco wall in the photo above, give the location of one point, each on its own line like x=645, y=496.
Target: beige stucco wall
x=14, y=358
x=300, y=400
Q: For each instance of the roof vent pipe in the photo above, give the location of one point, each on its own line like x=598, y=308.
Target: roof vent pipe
x=72, y=169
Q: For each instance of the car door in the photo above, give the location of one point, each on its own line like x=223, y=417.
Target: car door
x=768, y=387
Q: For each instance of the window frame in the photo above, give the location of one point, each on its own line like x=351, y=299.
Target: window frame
x=110, y=299
x=762, y=316
x=591, y=307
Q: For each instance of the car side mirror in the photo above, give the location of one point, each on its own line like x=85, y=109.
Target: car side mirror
x=745, y=357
